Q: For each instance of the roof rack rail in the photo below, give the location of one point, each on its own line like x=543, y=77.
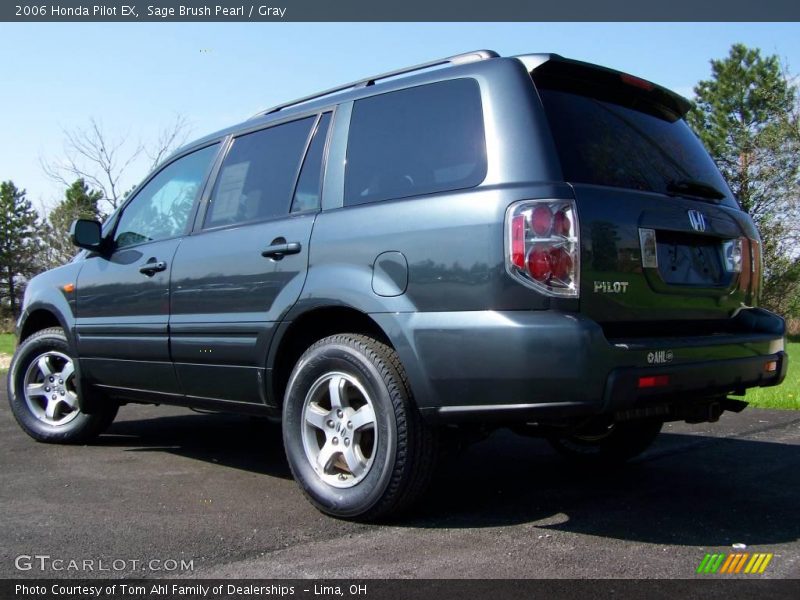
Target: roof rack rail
x=458, y=59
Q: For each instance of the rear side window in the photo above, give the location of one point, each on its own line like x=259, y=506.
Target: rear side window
x=257, y=177
x=416, y=141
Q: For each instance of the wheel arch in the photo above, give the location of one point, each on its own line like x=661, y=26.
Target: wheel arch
x=42, y=315
x=40, y=318
x=295, y=336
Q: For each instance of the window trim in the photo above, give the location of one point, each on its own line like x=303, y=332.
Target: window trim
x=203, y=211
x=323, y=166
x=153, y=174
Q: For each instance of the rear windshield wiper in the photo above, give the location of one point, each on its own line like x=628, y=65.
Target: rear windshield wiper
x=692, y=187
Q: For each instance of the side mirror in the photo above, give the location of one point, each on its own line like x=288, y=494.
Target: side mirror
x=86, y=234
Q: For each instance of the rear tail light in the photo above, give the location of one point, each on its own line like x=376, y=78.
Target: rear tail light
x=637, y=82
x=732, y=255
x=647, y=242
x=756, y=258
x=756, y=269
x=542, y=249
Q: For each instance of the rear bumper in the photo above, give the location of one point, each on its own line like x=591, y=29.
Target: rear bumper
x=702, y=380
x=517, y=366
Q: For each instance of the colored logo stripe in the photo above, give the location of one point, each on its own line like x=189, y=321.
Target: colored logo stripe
x=728, y=563
x=735, y=563
x=710, y=563
x=758, y=563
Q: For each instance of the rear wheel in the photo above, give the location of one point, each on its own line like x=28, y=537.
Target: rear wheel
x=354, y=441
x=607, y=443
x=43, y=394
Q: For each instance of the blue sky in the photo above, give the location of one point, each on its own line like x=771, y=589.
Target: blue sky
x=134, y=78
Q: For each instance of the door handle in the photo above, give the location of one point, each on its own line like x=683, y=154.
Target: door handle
x=152, y=267
x=278, y=251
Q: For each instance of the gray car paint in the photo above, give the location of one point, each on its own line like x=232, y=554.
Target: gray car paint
x=471, y=339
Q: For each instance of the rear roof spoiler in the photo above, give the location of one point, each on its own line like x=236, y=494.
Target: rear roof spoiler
x=550, y=67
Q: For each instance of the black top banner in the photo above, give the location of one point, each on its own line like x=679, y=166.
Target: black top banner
x=400, y=10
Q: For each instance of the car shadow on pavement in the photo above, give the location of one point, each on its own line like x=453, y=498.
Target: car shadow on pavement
x=686, y=490
x=239, y=442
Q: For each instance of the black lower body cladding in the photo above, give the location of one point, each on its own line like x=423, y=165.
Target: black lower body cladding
x=518, y=365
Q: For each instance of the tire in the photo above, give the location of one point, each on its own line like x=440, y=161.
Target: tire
x=607, y=444
x=371, y=457
x=48, y=409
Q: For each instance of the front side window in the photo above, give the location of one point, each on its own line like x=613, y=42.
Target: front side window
x=416, y=141
x=161, y=209
x=257, y=177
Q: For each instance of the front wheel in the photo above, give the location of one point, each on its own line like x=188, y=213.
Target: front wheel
x=607, y=443
x=354, y=441
x=43, y=394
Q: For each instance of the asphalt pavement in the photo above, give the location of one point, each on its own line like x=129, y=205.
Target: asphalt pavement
x=166, y=484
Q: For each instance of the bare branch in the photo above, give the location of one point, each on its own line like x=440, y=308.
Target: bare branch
x=170, y=138
x=107, y=164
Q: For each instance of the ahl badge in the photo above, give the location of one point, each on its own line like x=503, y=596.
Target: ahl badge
x=659, y=357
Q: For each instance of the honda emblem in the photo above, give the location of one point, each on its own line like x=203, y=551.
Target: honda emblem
x=697, y=220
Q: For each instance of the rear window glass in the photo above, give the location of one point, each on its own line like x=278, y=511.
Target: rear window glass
x=605, y=143
x=416, y=141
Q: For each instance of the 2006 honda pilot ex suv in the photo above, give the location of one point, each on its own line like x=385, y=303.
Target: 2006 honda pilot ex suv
x=529, y=242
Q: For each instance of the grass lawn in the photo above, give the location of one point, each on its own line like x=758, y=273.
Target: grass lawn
x=786, y=395
x=7, y=343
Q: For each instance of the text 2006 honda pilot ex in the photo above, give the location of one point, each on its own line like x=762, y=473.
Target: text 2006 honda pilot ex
x=529, y=242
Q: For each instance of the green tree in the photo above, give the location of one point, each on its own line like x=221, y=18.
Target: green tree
x=747, y=117
x=19, y=245
x=80, y=202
